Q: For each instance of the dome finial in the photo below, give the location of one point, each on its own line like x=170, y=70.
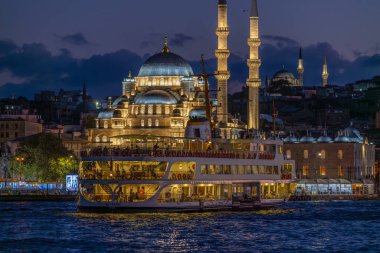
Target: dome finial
x=166, y=48
x=130, y=74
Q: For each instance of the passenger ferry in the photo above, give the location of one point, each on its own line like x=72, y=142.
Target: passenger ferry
x=184, y=174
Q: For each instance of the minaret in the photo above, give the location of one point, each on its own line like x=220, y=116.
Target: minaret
x=254, y=62
x=222, y=54
x=300, y=69
x=84, y=97
x=325, y=74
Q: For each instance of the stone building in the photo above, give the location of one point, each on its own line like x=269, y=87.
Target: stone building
x=348, y=157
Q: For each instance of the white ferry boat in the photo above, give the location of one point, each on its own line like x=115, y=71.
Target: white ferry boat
x=127, y=178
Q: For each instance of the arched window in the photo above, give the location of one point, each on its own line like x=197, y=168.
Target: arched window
x=105, y=124
x=323, y=154
x=305, y=170
x=150, y=109
x=157, y=123
x=149, y=122
x=340, y=171
x=97, y=139
x=129, y=122
x=288, y=154
x=306, y=154
x=167, y=110
x=104, y=139
x=322, y=170
x=142, y=110
x=158, y=109
x=142, y=123
x=340, y=154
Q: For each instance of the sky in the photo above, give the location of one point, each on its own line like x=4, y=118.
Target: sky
x=50, y=45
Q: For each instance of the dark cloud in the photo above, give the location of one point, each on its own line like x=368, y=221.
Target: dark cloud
x=76, y=39
x=279, y=41
x=104, y=73
x=180, y=39
x=7, y=47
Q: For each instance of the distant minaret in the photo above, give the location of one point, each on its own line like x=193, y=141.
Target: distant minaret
x=84, y=97
x=325, y=73
x=254, y=62
x=222, y=53
x=300, y=69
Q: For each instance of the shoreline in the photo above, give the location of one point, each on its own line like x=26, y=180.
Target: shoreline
x=61, y=198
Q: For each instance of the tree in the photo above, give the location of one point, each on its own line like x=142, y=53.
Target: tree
x=44, y=159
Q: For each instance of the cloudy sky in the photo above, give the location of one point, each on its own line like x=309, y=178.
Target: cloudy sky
x=48, y=44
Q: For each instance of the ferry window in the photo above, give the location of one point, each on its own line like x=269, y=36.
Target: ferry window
x=306, y=154
x=227, y=169
x=288, y=154
x=322, y=170
x=204, y=169
x=261, y=169
x=255, y=169
x=218, y=169
x=305, y=170
x=241, y=170
x=197, y=133
x=234, y=169
x=211, y=169
x=340, y=154
x=323, y=154
x=268, y=170
x=280, y=149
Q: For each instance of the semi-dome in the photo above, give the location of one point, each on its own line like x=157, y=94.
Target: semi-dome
x=156, y=97
x=166, y=64
x=197, y=113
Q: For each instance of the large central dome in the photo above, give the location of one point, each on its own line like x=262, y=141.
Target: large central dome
x=166, y=64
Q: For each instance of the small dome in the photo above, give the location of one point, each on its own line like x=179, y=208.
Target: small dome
x=343, y=139
x=156, y=97
x=324, y=139
x=105, y=115
x=307, y=139
x=119, y=100
x=197, y=113
x=291, y=139
x=166, y=64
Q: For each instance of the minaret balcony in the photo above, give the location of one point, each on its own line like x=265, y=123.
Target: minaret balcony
x=222, y=31
x=222, y=75
x=222, y=53
x=254, y=63
x=254, y=42
x=254, y=83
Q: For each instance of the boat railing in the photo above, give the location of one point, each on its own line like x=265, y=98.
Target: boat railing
x=124, y=152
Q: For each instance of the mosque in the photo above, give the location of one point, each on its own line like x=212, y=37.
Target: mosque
x=286, y=77
x=166, y=95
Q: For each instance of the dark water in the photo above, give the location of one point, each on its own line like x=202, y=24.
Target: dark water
x=296, y=227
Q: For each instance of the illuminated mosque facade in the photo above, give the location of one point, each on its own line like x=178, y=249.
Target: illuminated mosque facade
x=166, y=94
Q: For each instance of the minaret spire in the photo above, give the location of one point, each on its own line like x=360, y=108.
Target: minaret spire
x=300, y=68
x=325, y=73
x=254, y=63
x=222, y=53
